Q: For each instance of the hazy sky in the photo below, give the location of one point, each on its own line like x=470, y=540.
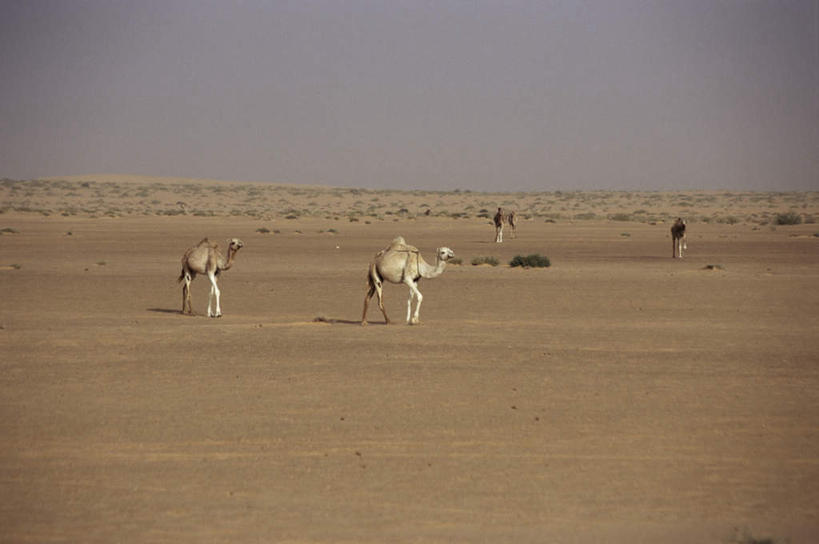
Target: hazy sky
x=537, y=95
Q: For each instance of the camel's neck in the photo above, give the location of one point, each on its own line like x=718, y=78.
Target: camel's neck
x=225, y=263
x=428, y=271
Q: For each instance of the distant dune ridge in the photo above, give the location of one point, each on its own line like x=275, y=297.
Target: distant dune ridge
x=115, y=195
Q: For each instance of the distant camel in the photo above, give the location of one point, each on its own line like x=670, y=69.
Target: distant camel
x=678, y=238
x=206, y=258
x=513, y=223
x=499, y=226
x=402, y=263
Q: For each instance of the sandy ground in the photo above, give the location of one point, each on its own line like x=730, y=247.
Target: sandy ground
x=617, y=396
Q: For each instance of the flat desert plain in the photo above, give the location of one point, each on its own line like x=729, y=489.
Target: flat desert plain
x=617, y=396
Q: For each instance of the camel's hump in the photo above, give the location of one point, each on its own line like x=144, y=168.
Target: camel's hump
x=399, y=244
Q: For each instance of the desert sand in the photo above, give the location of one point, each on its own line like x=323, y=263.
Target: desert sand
x=617, y=396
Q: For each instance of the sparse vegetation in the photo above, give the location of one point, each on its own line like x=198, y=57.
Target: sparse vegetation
x=491, y=261
x=207, y=198
x=534, y=260
x=8, y=230
x=744, y=536
x=728, y=220
x=263, y=230
x=788, y=218
x=621, y=217
x=585, y=216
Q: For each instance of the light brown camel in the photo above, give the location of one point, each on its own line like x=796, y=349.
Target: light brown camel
x=678, y=238
x=206, y=258
x=513, y=223
x=402, y=263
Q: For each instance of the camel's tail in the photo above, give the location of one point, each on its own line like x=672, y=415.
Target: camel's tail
x=373, y=279
x=184, y=274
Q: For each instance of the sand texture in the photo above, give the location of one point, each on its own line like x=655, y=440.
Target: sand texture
x=616, y=396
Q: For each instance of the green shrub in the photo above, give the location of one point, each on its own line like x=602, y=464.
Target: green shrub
x=493, y=261
x=534, y=260
x=788, y=218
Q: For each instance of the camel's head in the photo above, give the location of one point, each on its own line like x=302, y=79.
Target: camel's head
x=235, y=244
x=445, y=254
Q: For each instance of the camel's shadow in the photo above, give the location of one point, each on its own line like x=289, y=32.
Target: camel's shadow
x=164, y=310
x=319, y=319
x=333, y=321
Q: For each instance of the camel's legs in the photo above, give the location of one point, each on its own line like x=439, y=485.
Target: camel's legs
x=367, y=297
x=379, y=290
x=375, y=286
x=678, y=246
x=214, y=291
x=412, y=319
x=409, y=302
x=186, y=295
x=499, y=234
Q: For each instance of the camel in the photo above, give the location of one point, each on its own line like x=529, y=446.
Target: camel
x=206, y=258
x=402, y=263
x=513, y=224
x=499, y=226
x=678, y=238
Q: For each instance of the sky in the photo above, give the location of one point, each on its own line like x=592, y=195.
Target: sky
x=433, y=95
